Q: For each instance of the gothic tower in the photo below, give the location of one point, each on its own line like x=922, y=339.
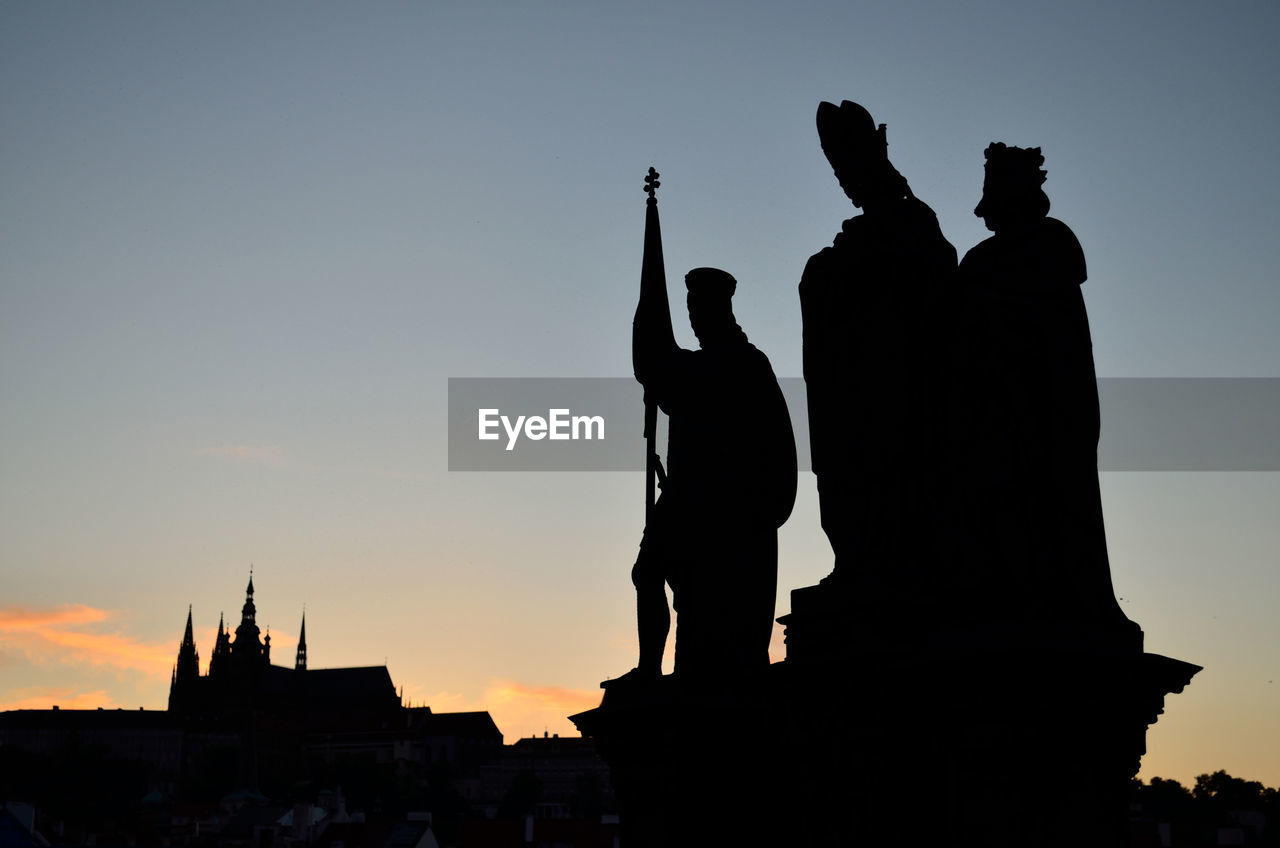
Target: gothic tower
x=249, y=656
x=221, y=650
x=186, y=672
x=246, y=648
x=300, y=664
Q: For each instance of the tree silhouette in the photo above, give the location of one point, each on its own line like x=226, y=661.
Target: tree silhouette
x=1218, y=800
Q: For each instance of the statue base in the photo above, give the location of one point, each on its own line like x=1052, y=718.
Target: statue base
x=1022, y=744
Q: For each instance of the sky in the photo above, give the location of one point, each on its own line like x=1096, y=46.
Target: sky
x=247, y=245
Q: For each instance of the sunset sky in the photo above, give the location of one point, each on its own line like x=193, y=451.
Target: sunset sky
x=246, y=245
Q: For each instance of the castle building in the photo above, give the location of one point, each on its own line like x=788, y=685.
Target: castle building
x=241, y=679
x=250, y=732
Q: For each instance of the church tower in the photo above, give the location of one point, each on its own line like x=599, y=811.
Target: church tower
x=186, y=672
x=249, y=656
x=221, y=650
x=300, y=664
x=247, y=647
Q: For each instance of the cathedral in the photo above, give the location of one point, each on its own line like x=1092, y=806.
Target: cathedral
x=250, y=732
x=241, y=678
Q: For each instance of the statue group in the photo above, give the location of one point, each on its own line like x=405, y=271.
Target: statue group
x=953, y=427
x=969, y=624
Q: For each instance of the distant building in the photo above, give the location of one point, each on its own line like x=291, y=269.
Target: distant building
x=241, y=678
x=247, y=742
x=256, y=720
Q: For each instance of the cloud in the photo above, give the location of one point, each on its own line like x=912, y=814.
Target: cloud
x=63, y=697
x=553, y=697
x=523, y=710
x=20, y=618
x=518, y=709
x=440, y=702
x=267, y=454
x=59, y=634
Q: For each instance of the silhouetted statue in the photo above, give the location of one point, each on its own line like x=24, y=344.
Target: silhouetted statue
x=868, y=303
x=731, y=482
x=970, y=621
x=1027, y=413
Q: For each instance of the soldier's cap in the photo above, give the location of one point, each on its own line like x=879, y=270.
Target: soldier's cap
x=710, y=281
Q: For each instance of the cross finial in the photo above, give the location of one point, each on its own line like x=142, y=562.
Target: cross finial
x=651, y=184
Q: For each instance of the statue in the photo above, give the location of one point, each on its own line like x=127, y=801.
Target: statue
x=870, y=348
x=730, y=483
x=1027, y=411
x=970, y=620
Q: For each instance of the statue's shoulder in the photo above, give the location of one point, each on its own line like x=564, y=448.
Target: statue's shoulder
x=1046, y=254
x=758, y=359
x=1058, y=235
x=1058, y=242
x=980, y=254
x=920, y=211
x=923, y=224
x=736, y=362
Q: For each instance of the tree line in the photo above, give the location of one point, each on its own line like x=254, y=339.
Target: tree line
x=1199, y=815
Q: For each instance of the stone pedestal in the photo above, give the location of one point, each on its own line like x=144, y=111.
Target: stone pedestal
x=960, y=738
x=692, y=767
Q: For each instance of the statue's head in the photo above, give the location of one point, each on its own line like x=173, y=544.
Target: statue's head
x=1012, y=192
x=858, y=151
x=710, y=303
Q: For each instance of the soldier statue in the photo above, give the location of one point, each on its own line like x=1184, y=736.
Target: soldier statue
x=730, y=484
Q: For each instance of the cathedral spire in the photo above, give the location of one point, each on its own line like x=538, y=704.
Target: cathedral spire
x=186, y=672
x=248, y=612
x=301, y=663
x=248, y=646
x=221, y=647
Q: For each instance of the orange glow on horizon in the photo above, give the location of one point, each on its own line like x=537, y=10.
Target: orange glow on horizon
x=47, y=635
x=518, y=709
x=23, y=618
x=62, y=697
